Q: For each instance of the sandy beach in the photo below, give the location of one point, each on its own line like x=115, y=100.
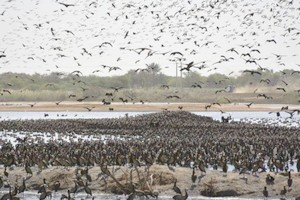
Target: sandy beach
x=130, y=107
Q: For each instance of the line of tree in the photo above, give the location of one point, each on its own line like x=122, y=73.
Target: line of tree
x=59, y=86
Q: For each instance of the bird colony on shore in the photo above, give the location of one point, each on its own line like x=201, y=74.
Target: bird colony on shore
x=170, y=138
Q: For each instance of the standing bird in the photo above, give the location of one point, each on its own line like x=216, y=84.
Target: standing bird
x=175, y=188
x=283, y=192
x=180, y=196
x=194, y=177
x=290, y=180
x=270, y=179
x=22, y=188
x=265, y=192
x=87, y=190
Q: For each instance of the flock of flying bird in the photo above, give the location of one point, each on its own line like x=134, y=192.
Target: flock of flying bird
x=226, y=32
x=185, y=33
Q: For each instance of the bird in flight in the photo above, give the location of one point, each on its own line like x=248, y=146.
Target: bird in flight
x=252, y=72
x=66, y=5
x=89, y=109
x=279, y=88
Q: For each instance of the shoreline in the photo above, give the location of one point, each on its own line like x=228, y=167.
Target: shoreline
x=137, y=107
x=228, y=184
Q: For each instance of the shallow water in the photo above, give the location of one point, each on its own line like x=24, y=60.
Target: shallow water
x=250, y=117
x=29, y=195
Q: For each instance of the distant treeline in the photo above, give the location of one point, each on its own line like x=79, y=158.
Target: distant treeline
x=151, y=85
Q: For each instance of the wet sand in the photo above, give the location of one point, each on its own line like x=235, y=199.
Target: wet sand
x=130, y=107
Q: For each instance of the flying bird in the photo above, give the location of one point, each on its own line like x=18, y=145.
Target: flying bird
x=271, y=41
x=66, y=5
x=252, y=72
x=249, y=104
x=176, y=52
x=173, y=96
x=4, y=90
x=89, y=109
x=279, y=88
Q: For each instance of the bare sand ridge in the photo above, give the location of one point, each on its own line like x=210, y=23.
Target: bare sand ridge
x=127, y=107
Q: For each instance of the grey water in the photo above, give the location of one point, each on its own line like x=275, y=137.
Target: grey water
x=251, y=117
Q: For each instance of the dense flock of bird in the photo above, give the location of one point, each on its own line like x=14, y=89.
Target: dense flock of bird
x=111, y=36
x=108, y=37
x=162, y=138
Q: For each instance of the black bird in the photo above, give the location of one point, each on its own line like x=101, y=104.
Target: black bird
x=66, y=5
x=57, y=103
x=116, y=89
x=89, y=109
x=103, y=43
x=298, y=165
x=82, y=99
x=175, y=188
x=294, y=72
x=283, y=192
x=268, y=81
x=31, y=105
x=218, y=91
x=68, y=31
x=72, y=95
x=272, y=40
x=249, y=104
x=4, y=90
x=176, y=52
x=265, y=192
x=281, y=89
x=252, y=72
x=173, y=96
x=285, y=83
x=193, y=177
x=290, y=180
x=87, y=189
x=233, y=50
x=255, y=50
x=180, y=196
x=165, y=86
x=270, y=179
x=196, y=85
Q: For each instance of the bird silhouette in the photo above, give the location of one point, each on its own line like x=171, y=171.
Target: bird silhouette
x=282, y=89
x=175, y=188
x=249, y=104
x=66, y=5
x=252, y=72
x=89, y=109
x=265, y=192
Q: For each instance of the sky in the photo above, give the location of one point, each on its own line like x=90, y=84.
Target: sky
x=108, y=38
